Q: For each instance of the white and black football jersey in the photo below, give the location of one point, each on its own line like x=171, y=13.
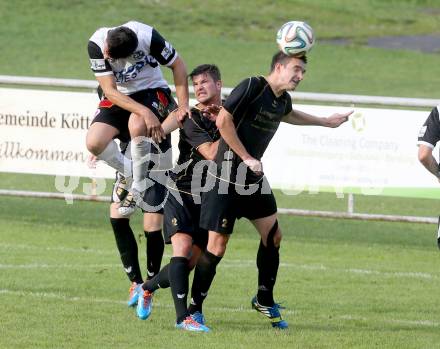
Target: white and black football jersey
x=429, y=134
x=139, y=71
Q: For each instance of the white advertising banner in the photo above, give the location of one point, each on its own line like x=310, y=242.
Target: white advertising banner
x=43, y=132
x=374, y=153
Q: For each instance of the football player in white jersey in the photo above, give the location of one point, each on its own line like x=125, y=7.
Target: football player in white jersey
x=135, y=100
x=126, y=62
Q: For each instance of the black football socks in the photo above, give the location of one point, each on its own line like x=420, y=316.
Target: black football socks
x=127, y=247
x=178, y=272
x=154, y=250
x=203, y=276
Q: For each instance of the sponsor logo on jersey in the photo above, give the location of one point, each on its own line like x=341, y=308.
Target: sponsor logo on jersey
x=133, y=70
x=167, y=51
x=105, y=103
x=97, y=64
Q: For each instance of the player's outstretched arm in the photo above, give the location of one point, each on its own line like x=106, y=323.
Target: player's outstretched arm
x=296, y=117
x=180, y=81
x=428, y=161
x=108, y=85
x=170, y=123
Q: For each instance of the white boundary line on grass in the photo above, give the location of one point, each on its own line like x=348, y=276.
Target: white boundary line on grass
x=58, y=248
x=111, y=301
x=236, y=263
x=227, y=263
x=426, y=323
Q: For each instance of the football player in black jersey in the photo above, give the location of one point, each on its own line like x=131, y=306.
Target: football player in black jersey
x=247, y=122
x=198, y=146
x=429, y=136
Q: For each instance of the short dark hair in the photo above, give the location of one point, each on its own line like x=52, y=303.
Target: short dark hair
x=282, y=58
x=210, y=69
x=121, y=42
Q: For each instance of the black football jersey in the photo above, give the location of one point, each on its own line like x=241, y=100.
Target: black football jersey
x=257, y=114
x=196, y=131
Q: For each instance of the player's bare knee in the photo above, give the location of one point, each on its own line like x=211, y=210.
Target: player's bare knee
x=114, y=213
x=136, y=126
x=182, y=245
x=424, y=156
x=217, y=244
x=153, y=221
x=94, y=146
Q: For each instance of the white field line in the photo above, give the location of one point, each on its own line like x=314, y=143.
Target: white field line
x=82, y=267
x=62, y=297
x=57, y=248
x=319, y=267
x=226, y=263
x=392, y=321
x=231, y=263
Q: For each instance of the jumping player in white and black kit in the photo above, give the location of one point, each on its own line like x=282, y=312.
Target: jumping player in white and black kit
x=429, y=136
x=126, y=62
x=247, y=122
x=198, y=145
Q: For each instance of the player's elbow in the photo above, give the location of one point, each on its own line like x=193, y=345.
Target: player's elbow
x=424, y=155
x=110, y=93
x=211, y=154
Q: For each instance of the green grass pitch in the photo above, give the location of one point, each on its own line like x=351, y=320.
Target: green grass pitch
x=345, y=284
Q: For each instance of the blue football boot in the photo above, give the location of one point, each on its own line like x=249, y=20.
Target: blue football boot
x=145, y=304
x=273, y=313
x=191, y=325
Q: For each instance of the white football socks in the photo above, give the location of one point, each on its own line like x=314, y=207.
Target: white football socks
x=114, y=158
x=140, y=154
